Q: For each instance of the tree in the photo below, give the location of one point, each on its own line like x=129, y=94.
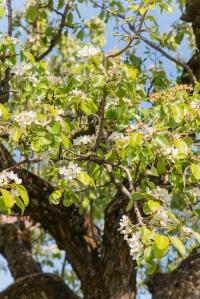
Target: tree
x=89, y=171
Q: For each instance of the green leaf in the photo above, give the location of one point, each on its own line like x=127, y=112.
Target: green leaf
x=65, y=141
x=178, y=244
x=39, y=144
x=55, y=197
x=181, y=146
x=159, y=253
x=54, y=128
x=85, y=179
x=5, y=112
x=147, y=234
x=8, y=199
x=135, y=139
x=153, y=205
x=161, y=241
x=130, y=205
x=138, y=195
x=29, y=56
x=1, y=11
x=161, y=140
x=23, y=194
x=15, y=134
x=195, y=168
x=178, y=112
x=150, y=268
x=20, y=204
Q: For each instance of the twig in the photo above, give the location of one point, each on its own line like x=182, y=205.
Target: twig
x=63, y=266
x=25, y=161
x=176, y=61
x=122, y=50
x=57, y=36
x=10, y=22
x=101, y=118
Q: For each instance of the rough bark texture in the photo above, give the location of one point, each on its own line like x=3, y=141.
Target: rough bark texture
x=15, y=246
x=104, y=269
x=119, y=268
x=183, y=283
x=38, y=286
x=192, y=15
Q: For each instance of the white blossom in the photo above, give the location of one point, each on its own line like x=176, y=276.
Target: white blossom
x=117, y=136
x=54, y=80
x=162, y=216
x=88, y=51
x=21, y=69
x=1, y=113
x=7, y=176
x=195, y=104
x=171, y=151
x=70, y=172
x=186, y=230
x=34, y=80
x=125, y=226
x=25, y=118
x=79, y=94
x=135, y=245
x=85, y=139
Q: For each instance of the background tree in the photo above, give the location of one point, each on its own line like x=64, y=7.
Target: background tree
x=89, y=175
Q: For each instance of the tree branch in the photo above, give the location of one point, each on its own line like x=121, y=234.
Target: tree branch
x=38, y=285
x=71, y=231
x=57, y=36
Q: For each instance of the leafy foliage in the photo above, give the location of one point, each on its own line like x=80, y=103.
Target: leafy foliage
x=81, y=115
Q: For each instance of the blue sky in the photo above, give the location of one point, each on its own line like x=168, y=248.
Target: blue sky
x=164, y=21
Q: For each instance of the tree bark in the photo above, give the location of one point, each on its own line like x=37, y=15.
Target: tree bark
x=105, y=270
x=38, y=286
x=183, y=283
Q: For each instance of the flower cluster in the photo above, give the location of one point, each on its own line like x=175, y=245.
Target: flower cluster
x=54, y=80
x=34, y=80
x=21, y=69
x=69, y=173
x=195, y=104
x=7, y=177
x=161, y=194
x=78, y=94
x=132, y=238
x=25, y=118
x=117, y=136
x=162, y=216
x=88, y=51
x=85, y=139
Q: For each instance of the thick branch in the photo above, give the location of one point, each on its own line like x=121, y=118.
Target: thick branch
x=183, y=283
x=71, y=231
x=192, y=15
x=38, y=286
x=15, y=246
